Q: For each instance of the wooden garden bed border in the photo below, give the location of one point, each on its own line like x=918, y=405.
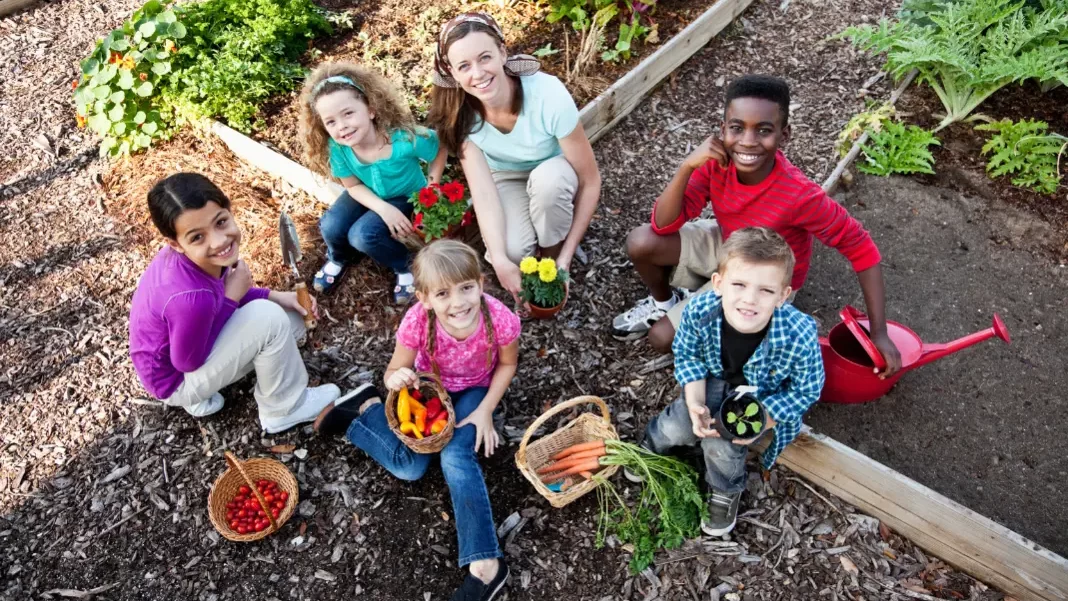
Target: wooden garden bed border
x=10, y=7
x=959, y=536
x=597, y=117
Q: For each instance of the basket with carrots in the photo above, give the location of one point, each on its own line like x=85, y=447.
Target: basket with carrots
x=423, y=417
x=575, y=448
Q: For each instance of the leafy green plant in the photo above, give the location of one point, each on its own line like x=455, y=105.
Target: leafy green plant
x=239, y=54
x=742, y=423
x=1024, y=150
x=897, y=148
x=546, y=50
x=586, y=14
x=117, y=93
x=870, y=120
x=668, y=511
x=972, y=48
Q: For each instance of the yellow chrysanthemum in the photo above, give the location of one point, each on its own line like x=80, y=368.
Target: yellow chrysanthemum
x=547, y=270
x=528, y=265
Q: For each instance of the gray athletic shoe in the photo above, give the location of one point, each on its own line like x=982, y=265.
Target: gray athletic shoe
x=722, y=513
x=206, y=408
x=639, y=319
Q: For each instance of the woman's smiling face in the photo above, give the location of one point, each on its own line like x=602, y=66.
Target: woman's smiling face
x=476, y=62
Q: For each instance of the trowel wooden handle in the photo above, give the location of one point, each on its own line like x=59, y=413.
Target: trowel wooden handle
x=305, y=300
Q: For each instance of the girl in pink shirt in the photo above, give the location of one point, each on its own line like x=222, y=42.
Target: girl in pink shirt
x=471, y=341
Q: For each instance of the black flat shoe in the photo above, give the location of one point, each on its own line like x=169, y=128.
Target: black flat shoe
x=336, y=418
x=474, y=589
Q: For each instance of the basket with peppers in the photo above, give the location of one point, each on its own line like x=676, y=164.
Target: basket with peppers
x=422, y=417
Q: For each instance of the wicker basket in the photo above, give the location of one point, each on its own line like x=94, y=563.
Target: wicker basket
x=585, y=428
x=429, y=384
x=247, y=473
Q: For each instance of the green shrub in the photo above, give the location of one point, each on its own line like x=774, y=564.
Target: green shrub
x=896, y=148
x=631, y=30
x=972, y=48
x=238, y=54
x=117, y=92
x=1026, y=151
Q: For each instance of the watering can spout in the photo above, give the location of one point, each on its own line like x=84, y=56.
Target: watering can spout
x=933, y=352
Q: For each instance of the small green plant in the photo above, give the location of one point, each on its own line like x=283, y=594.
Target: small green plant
x=542, y=283
x=117, y=93
x=546, y=50
x=870, y=121
x=897, y=148
x=587, y=14
x=741, y=422
x=968, y=49
x=628, y=34
x=1024, y=150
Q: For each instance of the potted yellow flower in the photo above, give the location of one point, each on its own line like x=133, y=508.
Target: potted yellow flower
x=544, y=287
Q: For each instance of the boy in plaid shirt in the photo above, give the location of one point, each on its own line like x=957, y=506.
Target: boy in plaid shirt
x=745, y=334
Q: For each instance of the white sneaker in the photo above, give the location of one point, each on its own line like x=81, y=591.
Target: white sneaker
x=315, y=399
x=639, y=319
x=205, y=408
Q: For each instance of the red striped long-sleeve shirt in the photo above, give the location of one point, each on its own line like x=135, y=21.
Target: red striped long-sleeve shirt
x=787, y=202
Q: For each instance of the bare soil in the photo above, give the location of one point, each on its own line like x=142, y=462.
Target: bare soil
x=102, y=488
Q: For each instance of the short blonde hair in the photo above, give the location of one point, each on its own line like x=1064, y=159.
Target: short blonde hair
x=761, y=246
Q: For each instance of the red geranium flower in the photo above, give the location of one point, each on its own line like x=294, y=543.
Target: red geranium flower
x=428, y=197
x=418, y=220
x=454, y=191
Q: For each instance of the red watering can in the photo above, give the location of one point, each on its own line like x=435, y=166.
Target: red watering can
x=850, y=357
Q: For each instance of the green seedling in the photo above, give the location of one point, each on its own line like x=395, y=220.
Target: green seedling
x=740, y=422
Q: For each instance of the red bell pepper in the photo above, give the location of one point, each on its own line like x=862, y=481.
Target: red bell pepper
x=434, y=410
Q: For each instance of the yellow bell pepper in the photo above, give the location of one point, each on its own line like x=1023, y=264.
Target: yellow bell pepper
x=404, y=407
x=410, y=429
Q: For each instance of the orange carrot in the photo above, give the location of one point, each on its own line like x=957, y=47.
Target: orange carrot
x=586, y=475
x=578, y=448
x=588, y=466
x=571, y=460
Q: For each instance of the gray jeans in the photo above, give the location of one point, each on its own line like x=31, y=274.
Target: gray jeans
x=724, y=461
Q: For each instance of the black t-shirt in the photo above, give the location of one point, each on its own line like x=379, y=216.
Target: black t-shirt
x=735, y=350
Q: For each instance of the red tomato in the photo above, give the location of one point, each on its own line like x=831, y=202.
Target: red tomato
x=283, y=495
x=275, y=513
x=242, y=530
x=269, y=498
x=244, y=490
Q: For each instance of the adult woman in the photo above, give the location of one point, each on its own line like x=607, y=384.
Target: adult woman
x=533, y=177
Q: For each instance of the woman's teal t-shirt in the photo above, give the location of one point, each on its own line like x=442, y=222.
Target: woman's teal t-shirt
x=549, y=113
x=399, y=175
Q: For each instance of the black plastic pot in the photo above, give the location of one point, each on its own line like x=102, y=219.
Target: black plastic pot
x=738, y=405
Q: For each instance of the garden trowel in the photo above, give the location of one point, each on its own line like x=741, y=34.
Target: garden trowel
x=287, y=234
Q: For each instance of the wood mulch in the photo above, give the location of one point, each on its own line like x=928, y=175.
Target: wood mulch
x=102, y=491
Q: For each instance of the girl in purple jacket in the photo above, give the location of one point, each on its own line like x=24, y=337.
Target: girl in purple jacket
x=198, y=325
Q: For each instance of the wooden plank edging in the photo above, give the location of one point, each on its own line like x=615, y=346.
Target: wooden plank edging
x=959, y=536
x=622, y=97
x=9, y=7
x=597, y=117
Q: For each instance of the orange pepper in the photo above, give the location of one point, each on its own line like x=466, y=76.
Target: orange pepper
x=438, y=426
x=410, y=429
x=420, y=416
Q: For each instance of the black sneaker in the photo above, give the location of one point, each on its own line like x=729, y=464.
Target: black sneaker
x=722, y=513
x=474, y=589
x=336, y=417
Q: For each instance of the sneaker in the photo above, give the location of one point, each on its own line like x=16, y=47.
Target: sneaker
x=637, y=321
x=722, y=513
x=205, y=408
x=474, y=589
x=336, y=417
x=315, y=400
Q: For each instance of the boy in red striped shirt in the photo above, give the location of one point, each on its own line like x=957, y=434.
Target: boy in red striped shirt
x=747, y=181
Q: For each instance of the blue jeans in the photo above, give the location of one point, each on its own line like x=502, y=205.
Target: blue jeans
x=724, y=461
x=475, y=530
x=349, y=228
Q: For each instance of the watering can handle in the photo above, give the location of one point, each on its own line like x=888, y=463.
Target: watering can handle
x=850, y=315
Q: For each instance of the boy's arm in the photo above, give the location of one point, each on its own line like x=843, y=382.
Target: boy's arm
x=687, y=193
x=832, y=224
x=805, y=380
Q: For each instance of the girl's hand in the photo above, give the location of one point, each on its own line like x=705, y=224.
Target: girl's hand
x=288, y=301
x=401, y=378
x=395, y=220
x=238, y=281
x=485, y=434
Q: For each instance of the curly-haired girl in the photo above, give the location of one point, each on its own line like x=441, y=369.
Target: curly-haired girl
x=357, y=128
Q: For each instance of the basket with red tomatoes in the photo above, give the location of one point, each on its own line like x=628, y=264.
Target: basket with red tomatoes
x=252, y=498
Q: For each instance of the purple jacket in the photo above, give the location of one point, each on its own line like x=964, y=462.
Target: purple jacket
x=176, y=314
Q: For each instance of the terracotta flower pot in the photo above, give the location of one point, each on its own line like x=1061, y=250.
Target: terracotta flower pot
x=547, y=312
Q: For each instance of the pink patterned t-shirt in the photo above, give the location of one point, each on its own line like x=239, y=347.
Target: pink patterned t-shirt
x=462, y=363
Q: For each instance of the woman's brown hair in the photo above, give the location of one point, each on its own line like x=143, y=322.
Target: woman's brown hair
x=452, y=110
x=378, y=93
x=442, y=264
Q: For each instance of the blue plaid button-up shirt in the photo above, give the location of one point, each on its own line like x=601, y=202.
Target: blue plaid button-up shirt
x=787, y=367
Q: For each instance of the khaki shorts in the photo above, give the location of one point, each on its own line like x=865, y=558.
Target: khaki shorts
x=699, y=258
x=538, y=206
